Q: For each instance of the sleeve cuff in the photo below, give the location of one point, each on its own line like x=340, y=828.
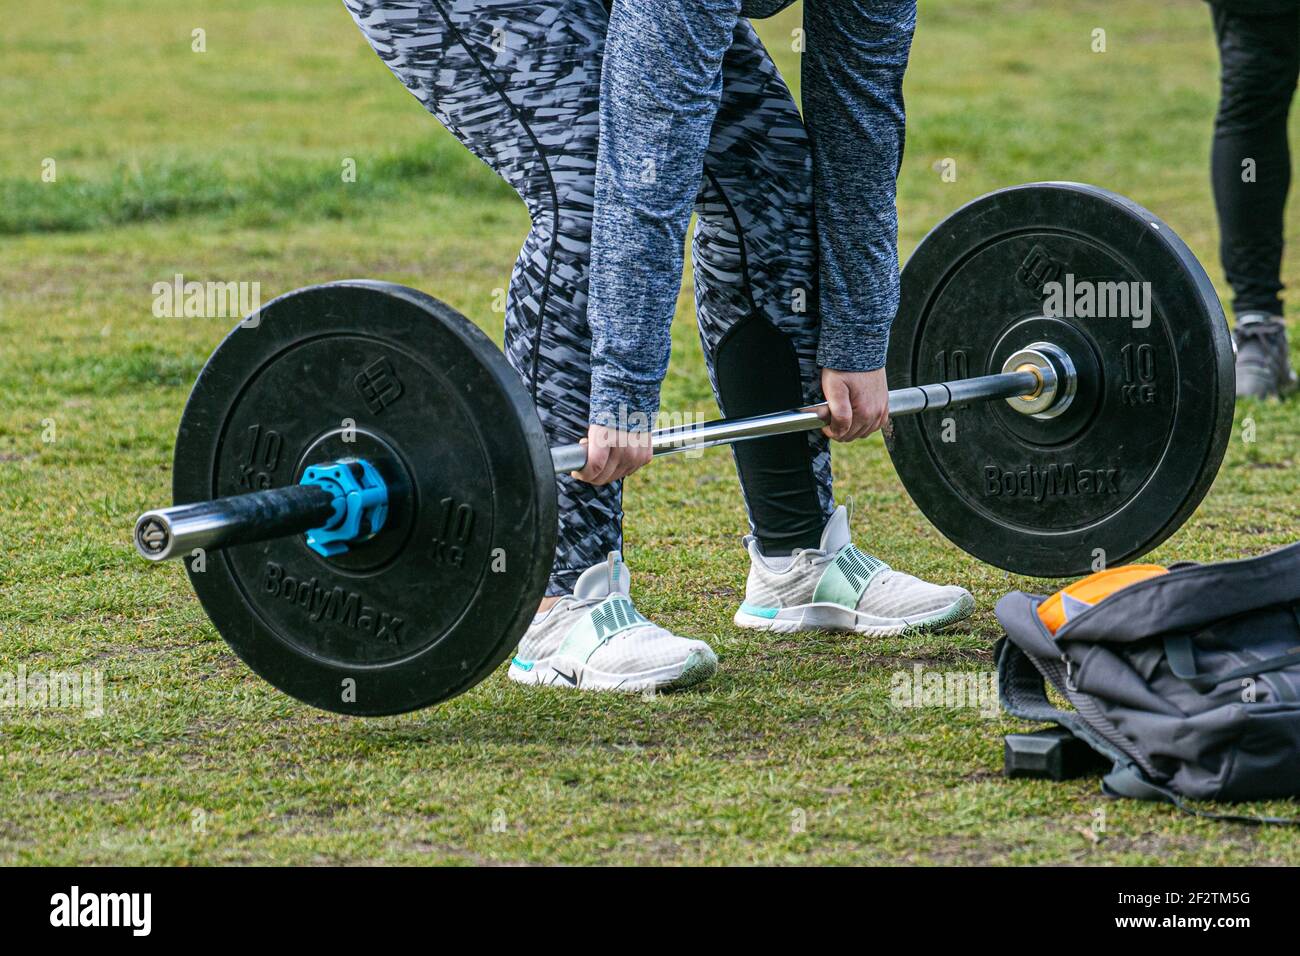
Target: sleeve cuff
x=623, y=406
x=848, y=349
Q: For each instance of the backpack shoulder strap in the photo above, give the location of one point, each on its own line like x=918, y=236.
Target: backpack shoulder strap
x=1129, y=781
x=1023, y=693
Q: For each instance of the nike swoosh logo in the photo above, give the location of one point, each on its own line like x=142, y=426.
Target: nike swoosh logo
x=571, y=678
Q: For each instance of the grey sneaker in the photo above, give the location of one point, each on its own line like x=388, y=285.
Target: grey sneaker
x=595, y=639
x=1263, y=361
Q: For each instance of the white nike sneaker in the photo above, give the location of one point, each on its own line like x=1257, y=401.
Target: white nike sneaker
x=595, y=639
x=838, y=587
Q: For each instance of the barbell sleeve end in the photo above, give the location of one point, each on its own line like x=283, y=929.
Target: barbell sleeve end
x=167, y=533
x=153, y=536
x=567, y=458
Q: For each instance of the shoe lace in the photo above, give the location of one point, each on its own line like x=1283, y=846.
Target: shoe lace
x=1259, y=331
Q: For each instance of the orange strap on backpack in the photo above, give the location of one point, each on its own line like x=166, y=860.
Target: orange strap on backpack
x=1084, y=593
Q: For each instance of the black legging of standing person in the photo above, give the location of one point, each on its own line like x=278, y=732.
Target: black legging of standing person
x=1259, y=54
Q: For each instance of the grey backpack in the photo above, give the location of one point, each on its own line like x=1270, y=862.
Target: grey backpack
x=1189, y=682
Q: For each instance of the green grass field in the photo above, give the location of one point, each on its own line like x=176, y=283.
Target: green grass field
x=225, y=165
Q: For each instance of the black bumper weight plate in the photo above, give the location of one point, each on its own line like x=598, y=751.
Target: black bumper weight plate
x=1128, y=462
x=438, y=599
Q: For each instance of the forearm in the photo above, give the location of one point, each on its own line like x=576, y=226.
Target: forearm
x=853, y=106
x=660, y=87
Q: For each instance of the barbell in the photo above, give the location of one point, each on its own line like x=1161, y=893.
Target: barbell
x=366, y=499
x=341, y=502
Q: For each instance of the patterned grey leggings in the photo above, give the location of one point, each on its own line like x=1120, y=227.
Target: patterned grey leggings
x=518, y=82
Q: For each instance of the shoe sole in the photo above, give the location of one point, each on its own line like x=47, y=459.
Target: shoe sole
x=558, y=672
x=835, y=617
